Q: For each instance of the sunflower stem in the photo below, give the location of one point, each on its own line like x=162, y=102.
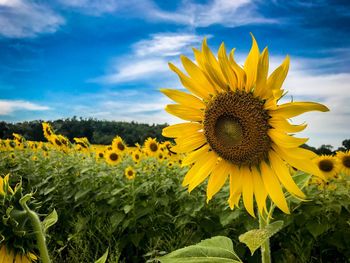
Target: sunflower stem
x=265, y=247
x=38, y=229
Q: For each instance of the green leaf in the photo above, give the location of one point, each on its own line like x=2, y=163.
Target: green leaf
x=50, y=220
x=301, y=179
x=103, y=258
x=256, y=237
x=217, y=249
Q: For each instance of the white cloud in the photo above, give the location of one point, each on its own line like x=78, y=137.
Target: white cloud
x=134, y=70
x=229, y=13
x=92, y=7
x=165, y=44
x=149, y=58
x=7, y=107
x=21, y=18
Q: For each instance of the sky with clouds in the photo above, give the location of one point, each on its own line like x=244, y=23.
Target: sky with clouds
x=108, y=59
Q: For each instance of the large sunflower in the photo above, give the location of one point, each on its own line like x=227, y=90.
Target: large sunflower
x=236, y=129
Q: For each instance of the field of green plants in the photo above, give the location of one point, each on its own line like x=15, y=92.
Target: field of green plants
x=141, y=217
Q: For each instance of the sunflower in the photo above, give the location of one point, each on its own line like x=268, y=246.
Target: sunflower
x=136, y=155
x=236, y=128
x=328, y=166
x=48, y=132
x=344, y=161
x=112, y=157
x=8, y=255
x=100, y=154
x=129, y=173
x=151, y=146
x=118, y=144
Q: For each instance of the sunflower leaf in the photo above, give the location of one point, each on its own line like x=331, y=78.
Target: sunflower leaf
x=50, y=220
x=217, y=249
x=256, y=237
x=103, y=258
x=301, y=179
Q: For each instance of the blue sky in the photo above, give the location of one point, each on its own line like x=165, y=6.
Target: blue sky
x=108, y=59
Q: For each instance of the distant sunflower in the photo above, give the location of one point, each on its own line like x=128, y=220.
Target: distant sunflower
x=151, y=146
x=112, y=157
x=100, y=154
x=130, y=173
x=136, y=156
x=236, y=129
x=118, y=144
x=344, y=161
x=328, y=166
x=47, y=129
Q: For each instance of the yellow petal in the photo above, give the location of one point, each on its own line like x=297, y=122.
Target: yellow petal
x=181, y=129
x=198, y=75
x=194, y=169
x=195, y=155
x=251, y=65
x=235, y=186
x=259, y=190
x=190, y=84
x=184, y=112
x=240, y=73
x=277, y=78
x=247, y=190
x=283, y=175
x=282, y=124
x=184, y=98
x=285, y=140
x=228, y=72
x=212, y=66
x=262, y=71
x=204, y=171
x=217, y=178
x=273, y=187
x=292, y=109
x=300, y=159
x=189, y=143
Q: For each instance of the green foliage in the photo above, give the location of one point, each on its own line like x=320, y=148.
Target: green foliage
x=256, y=237
x=97, y=131
x=217, y=249
x=152, y=215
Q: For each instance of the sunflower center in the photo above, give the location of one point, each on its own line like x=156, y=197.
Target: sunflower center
x=346, y=161
x=113, y=156
x=236, y=126
x=228, y=130
x=153, y=147
x=58, y=142
x=326, y=165
x=121, y=146
x=100, y=155
x=130, y=173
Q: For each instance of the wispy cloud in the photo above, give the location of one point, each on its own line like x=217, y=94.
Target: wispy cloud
x=8, y=107
x=21, y=18
x=228, y=13
x=92, y=7
x=224, y=12
x=148, y=58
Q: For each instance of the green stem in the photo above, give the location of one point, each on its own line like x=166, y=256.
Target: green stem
x=38, y=230
x=265, y=247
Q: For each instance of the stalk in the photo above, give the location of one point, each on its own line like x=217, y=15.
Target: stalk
x=265, y=247
x=38, y=230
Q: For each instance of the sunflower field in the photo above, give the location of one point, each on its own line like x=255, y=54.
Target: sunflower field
x=130, y=201
x=253, y=193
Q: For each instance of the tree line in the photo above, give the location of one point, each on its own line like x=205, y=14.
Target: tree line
x=96, y=131
x=103, y=132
